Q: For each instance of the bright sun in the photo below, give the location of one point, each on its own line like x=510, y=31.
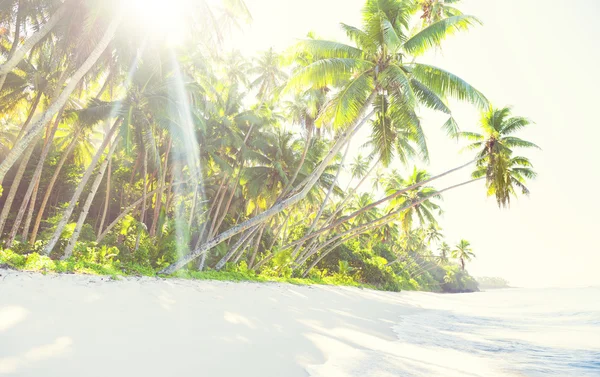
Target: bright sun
x=159, y=19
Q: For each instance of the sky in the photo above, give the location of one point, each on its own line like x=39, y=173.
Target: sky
x=537, y=57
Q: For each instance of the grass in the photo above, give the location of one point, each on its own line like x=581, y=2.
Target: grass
x=35, y=262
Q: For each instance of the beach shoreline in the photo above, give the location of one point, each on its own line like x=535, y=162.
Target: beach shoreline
x=62, y=324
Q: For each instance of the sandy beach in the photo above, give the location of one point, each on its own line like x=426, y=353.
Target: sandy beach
x=75, y=325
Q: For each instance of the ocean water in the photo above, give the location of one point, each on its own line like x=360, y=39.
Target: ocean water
x=498, y=333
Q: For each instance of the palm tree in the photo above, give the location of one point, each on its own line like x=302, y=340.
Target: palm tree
x=424, y=211
x=270, y=75
x=445, y=252
x=495, y=161
x=381, y=62
x=463, y=252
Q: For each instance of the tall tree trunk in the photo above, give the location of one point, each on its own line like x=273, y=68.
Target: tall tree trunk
x=29, y=198
x=144, y=201
x=325, y=200
x=158, y=202
x=257, y=245
x=107, y=197
x=14, y=187
x=16, y=39
x=125, y=212
x=375, y=204
x=31, y=134
x=86, y=176
x=20, y=53
x=233, y=249
x=353, y=232
x=57, y=170
x=299, y=167
x=343, y=139
x=88, y=202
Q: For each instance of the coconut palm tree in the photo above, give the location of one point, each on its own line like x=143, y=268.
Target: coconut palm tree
x=381, y=62
x=445, y=252
x=495, y=161
x=425, y=210
x=463, y=252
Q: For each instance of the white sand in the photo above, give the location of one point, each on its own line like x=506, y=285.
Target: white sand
x=74, y=325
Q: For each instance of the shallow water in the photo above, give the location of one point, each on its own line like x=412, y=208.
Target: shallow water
x=500, y=333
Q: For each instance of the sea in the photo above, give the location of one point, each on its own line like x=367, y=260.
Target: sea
x=497, y=333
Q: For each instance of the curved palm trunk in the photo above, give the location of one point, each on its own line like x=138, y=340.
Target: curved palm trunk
x=158, y=202
x=144, y=201
x=221, y=263
x=88, y=202
x=375, y=204
x=107, y=197
x=257, y=245
x=300, y=164
x=31, y=193
x=57, y=171
x=15, y=42
x=30, y=135
x=20, y=53
x=325, y=200
x=14, y=187
x=278, y=207
x=353, y=232
x=86, y=176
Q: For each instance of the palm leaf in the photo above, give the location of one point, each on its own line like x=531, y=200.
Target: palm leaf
x=446, y=84
x=435, y=33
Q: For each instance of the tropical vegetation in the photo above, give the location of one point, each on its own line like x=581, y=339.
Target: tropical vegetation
x=128, y=148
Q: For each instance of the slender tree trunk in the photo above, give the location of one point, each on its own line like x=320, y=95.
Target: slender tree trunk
x=57, y=170
x=20, y=53
x=30, y=198
x=158, y=203
x=86, y=176
x=216, y=214
x=325, y=200
x=257, y=245
x=30, y=135
x=14, y=187
x=107, y=197
x=125, y=212
x=382, y=220
x=144, y=201
x=34, y=105
x=233, y=249
x=375, y=204
x=343, y=139
x=88, y=202
x=15, y=42
x=299, y=167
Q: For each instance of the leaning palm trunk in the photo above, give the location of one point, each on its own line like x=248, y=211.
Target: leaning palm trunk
x=20, y=53
x=86, y=176
x=30, y=135
x=15, y=187
x=88, y=203
x=57, y=170
x=29, y=199
x=353, y=232
x=325, y=200
x=343, y=139
x=221, y=263
x=106, y=198
x=144, y=201
x=374, y=204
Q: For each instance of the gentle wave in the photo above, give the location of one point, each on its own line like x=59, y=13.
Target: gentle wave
x=517, y=332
